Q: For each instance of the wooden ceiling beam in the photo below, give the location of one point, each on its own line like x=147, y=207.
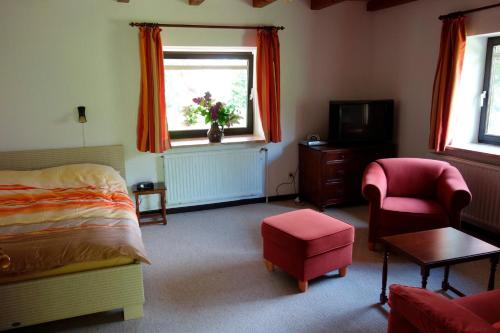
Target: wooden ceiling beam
x=262, y=3
x=195, y=2
x=320, y=4
x=374, y=5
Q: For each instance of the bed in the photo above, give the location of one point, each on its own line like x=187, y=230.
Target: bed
x=70, y=290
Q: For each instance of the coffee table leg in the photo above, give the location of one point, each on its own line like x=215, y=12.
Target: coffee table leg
x=424, y=271
x=493, y=268
x=445, y=285
x=383, y=295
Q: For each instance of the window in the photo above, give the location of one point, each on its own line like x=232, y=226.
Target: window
x=227, y=76
x=489, y=126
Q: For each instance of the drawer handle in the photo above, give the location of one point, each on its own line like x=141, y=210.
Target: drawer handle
x=4, y=261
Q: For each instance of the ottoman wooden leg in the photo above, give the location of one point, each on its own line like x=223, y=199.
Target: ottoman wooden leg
x=343, y=271
x=303, y=286
x=269, y=265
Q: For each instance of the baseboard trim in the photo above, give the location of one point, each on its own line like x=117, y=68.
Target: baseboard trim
x=225, y=204
x=283, y=197
x=486, y=235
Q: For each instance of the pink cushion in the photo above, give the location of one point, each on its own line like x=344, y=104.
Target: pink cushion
x=307, y=232
x=412, y=177
x=413, y=206
x=432, y=313
x=486, y=305
x=402, y=215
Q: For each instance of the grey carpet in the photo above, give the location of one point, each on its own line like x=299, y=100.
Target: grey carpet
x=208, y=276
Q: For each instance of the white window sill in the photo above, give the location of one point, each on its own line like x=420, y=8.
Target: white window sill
x=478, y=148
x=201, y=142
x=478, y=152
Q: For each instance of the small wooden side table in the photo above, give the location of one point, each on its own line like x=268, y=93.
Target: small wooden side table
x=153, y=217
x=439, y=248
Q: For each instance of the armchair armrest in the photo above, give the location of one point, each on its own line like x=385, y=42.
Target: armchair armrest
x=430, y=312
x=374, y=187
x=452, y=191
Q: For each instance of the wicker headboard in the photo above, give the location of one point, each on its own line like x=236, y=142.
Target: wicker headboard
x=38, y=159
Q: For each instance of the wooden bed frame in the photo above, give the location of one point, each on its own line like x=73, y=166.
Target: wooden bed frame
x=64, y=296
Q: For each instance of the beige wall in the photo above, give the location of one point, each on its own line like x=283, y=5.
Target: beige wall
x=406, y=47
x=58, y=54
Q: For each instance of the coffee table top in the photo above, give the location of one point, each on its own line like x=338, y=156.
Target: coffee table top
x=440, y=246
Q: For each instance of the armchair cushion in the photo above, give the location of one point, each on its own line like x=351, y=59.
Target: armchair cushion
x=432, y=313
x=400, y=215
x=413, y=206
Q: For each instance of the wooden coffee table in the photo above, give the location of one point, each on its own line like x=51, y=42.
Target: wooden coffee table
x=438, y=248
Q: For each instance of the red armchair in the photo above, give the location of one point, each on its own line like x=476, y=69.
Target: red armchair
x=415, y=310
x=412, y=194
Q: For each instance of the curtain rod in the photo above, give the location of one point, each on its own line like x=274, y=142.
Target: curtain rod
x=203, y=26
x=461, y=13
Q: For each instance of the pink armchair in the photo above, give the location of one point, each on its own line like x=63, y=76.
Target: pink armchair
x=412, y=194
x=415, y=310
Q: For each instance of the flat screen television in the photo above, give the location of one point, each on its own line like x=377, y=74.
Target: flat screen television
x=360, y=122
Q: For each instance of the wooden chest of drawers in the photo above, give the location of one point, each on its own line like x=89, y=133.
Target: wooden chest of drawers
x=330, y=175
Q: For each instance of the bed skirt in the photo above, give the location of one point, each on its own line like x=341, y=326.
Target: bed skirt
x=71, y=295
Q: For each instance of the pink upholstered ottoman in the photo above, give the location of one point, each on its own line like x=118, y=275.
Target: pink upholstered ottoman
x=307, y=244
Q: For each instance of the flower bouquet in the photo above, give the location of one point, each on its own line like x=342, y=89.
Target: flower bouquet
x=219, y=114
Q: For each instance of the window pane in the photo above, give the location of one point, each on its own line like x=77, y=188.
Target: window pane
x=185, y=79
x=493, y=115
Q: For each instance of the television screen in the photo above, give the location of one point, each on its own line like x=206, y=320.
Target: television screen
x=361, y=121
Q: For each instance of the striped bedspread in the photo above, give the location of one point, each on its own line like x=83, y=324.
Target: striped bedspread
x=64, y=215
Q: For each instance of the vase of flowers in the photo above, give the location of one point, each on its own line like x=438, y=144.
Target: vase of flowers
x=218, y=114
x=215, y=133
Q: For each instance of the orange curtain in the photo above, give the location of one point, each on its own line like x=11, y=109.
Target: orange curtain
x=449, y=69
x=152, y=132
x=268, y=82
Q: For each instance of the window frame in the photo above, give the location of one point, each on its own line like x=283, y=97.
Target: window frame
x=483, y=137
x=249, y=128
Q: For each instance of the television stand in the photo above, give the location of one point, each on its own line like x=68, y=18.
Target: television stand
x=332, y=175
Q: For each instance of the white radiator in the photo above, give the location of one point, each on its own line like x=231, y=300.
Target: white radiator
x=197, y=178
x=484, y=183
